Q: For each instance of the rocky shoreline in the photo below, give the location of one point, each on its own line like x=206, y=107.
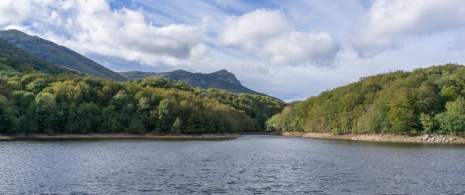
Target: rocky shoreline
x=436, y=139
x=118, y=136
x=439, y=139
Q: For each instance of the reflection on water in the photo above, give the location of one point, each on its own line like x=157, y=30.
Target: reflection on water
x=247, y=165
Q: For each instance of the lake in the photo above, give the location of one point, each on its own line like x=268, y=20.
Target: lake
x=252, y=164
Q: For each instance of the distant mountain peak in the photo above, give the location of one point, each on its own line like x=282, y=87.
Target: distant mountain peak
x=221, y=79
x=14, y=31
x=226, y=76
x=180, y=71
x=222, y=71
x=14, y=34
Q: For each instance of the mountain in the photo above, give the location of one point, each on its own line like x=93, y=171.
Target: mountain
x=25, y=62
x=424, y=101
x=49, y=51
x=221, y=79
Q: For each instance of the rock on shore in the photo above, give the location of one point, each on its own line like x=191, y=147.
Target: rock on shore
x=391, y=138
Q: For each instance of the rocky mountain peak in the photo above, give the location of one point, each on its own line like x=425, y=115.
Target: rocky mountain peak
x=221, y=79
x=226, y=76
x=15, y=32
x=222, y=71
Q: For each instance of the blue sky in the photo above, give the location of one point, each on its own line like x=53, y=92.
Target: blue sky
x=288, y=49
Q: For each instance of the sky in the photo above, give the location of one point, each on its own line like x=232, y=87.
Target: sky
x=287, y=49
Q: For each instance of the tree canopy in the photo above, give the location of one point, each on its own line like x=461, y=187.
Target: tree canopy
x=35, y=102
x=426, y=100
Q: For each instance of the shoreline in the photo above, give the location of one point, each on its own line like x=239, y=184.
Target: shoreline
x=117, y=136
x=427, y=139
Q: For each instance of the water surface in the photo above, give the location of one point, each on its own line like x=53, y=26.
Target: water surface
x=251, y=164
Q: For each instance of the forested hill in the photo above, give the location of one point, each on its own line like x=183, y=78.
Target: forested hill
x=424, y=101
x=220, y=80
x=23, y=61
x=35, y=102
x=62, y=56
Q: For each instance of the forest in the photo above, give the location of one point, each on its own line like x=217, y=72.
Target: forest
x=424, y=101
x=38, y=102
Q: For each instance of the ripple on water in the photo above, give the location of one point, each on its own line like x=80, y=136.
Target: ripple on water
x=247, y=165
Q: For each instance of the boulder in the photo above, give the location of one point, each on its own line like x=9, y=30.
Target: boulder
x=425, y=137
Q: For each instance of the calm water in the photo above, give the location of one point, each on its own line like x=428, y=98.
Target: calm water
x=248, y=165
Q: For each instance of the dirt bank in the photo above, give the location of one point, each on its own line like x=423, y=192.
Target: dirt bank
x=391, y=138
x=292, y=134
x=4, y=137
x=120, y=136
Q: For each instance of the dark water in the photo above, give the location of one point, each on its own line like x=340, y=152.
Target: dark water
x=248, y=165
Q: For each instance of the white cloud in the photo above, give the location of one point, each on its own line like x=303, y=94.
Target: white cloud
x=389, y=23
x=249, y=31
x=91, y=26
x=127, y=34
x=295, y=47
x=14, y=12
x=268, y=34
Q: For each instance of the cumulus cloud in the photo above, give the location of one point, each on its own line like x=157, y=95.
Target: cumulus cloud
x=91, y=26
x=251, y=30
x=269, y=34
x=300, y=47
x=14, y=12
x=388, y=23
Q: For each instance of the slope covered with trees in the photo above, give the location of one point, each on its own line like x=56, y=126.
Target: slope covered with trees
x=62, y=56
x=35, y=102
x=424, y=101
x=24, y=61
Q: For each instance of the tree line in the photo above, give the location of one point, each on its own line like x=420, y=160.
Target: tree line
x=36, y=102
x=424, y=101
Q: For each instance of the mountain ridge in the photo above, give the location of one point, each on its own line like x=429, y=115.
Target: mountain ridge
x=25, y=62
x=57, y=54
x=221, y=79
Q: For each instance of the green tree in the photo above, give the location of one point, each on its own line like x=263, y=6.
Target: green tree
x=427, y=123
x=84, y=118
x=453, y=120
x=401, y=114
x=164, y=116
x=136, y=126
x=369, y=122
x=6, y=117
x=177, y=126
x=47, y=113
x=109, y=122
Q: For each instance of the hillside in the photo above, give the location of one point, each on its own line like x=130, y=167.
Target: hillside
x=51, y=52
x=220, y=80
x=37, y=102
x=25, y=62
x=424, y=101
x=6, y=69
